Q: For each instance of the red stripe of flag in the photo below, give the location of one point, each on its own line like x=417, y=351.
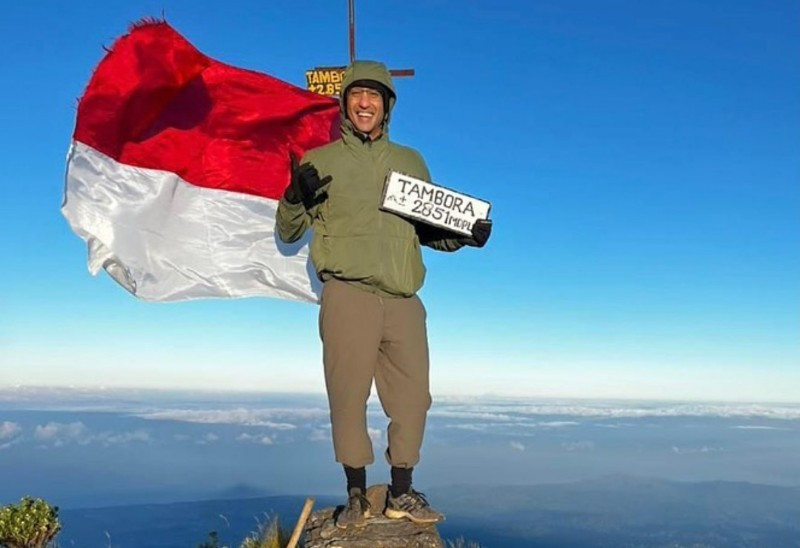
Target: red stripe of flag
x=157, y=102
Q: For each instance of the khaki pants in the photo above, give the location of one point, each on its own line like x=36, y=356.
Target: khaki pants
x=368, y=337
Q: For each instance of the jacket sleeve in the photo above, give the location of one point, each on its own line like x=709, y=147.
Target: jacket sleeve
x=438, y=238
x=431, y=236
x=292, y=221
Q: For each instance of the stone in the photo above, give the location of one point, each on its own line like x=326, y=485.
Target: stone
x=380, y=532
x=376, y=495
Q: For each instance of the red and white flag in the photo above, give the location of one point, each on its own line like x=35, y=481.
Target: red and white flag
x=176, y=167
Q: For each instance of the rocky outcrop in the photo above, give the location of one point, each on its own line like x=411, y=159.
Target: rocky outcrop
x=380, y=532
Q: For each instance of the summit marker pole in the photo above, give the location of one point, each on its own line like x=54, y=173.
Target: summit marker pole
x=351, y=8
x=351, y=19
x=327, y=80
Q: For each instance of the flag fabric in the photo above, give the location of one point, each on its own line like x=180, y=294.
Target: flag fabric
x=176, y=167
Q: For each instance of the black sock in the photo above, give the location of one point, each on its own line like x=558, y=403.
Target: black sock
x=356, y=477
x=401, y=481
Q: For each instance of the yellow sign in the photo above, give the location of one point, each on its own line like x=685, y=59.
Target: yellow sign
x=325, y=80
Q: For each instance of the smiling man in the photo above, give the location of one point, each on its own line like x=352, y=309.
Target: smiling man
x=365, y=100
x=372, y=323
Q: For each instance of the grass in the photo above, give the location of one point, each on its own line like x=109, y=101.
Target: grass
x=270, y=534
x=460, y=542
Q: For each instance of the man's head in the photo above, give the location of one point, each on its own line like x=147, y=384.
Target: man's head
x=365, y=107
x=368, y=97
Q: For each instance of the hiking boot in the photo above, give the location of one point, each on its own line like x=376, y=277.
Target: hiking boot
x=355, y=512
x=412, y=505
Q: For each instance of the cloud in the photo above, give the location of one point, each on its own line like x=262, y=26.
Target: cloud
x=275, y=419
x=517, y=446
x=695, y=450
x=58, y=434
x=123, y=438
x=757, y=427
x=474, y=427
x=9, y=430
x=208, y=438
x=150, y=404
x=512, y=410
x=575, y=446
x=375, y=435
x=512, y=428
x=324, y=434
x=468, y=413
x=252, y=438
x=556, y=424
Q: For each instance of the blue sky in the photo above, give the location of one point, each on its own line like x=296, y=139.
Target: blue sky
x=641, y=158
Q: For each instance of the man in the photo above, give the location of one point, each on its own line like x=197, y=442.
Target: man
x=371, y=322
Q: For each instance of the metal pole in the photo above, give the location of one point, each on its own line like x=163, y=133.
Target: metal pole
x=352, y=21
x=402, y=72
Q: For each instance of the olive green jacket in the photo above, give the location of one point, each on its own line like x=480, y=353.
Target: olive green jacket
x=353, y=240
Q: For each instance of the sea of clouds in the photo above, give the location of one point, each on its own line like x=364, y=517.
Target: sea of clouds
x=176, y=440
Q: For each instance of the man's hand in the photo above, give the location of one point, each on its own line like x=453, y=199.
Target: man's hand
x=305, y=185
x=481, y=231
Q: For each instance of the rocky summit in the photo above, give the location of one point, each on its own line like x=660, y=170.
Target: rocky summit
x=380, y=531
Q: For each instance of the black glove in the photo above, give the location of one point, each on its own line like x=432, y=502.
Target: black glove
x=481, y=231
x=305, y=185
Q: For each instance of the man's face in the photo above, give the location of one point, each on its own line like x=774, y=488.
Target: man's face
x=365, y=110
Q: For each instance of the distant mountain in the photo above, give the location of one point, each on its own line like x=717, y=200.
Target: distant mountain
x=607, y=512
x=242, y=491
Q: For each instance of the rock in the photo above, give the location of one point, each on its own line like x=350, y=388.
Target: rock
x=376, y=495
x=380, y=532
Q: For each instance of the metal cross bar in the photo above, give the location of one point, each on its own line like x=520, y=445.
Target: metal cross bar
x=351, y=8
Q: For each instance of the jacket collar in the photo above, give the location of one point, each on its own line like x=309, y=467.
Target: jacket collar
x=355, y=139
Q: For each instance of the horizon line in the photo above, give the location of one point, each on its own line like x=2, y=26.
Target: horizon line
x=103, y=389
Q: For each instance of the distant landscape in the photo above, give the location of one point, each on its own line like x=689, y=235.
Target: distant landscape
x=611, y=512
x=164, y=469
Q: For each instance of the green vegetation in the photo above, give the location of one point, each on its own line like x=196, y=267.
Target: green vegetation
x=461, y=543
x=269, y=535
x=212, y=542
x=30, y=524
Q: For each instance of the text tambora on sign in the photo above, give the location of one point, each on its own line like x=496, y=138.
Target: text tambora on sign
x=325, y=80
x=432, y=204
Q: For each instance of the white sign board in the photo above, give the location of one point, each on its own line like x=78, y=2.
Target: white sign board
x=432, y=204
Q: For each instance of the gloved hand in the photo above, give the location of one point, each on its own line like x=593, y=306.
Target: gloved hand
x=305, y=185
x=481, y=230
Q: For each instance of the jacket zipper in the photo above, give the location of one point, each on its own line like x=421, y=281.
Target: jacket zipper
x=376, y=177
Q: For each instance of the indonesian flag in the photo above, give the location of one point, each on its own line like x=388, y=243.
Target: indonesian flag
x=176, y=167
